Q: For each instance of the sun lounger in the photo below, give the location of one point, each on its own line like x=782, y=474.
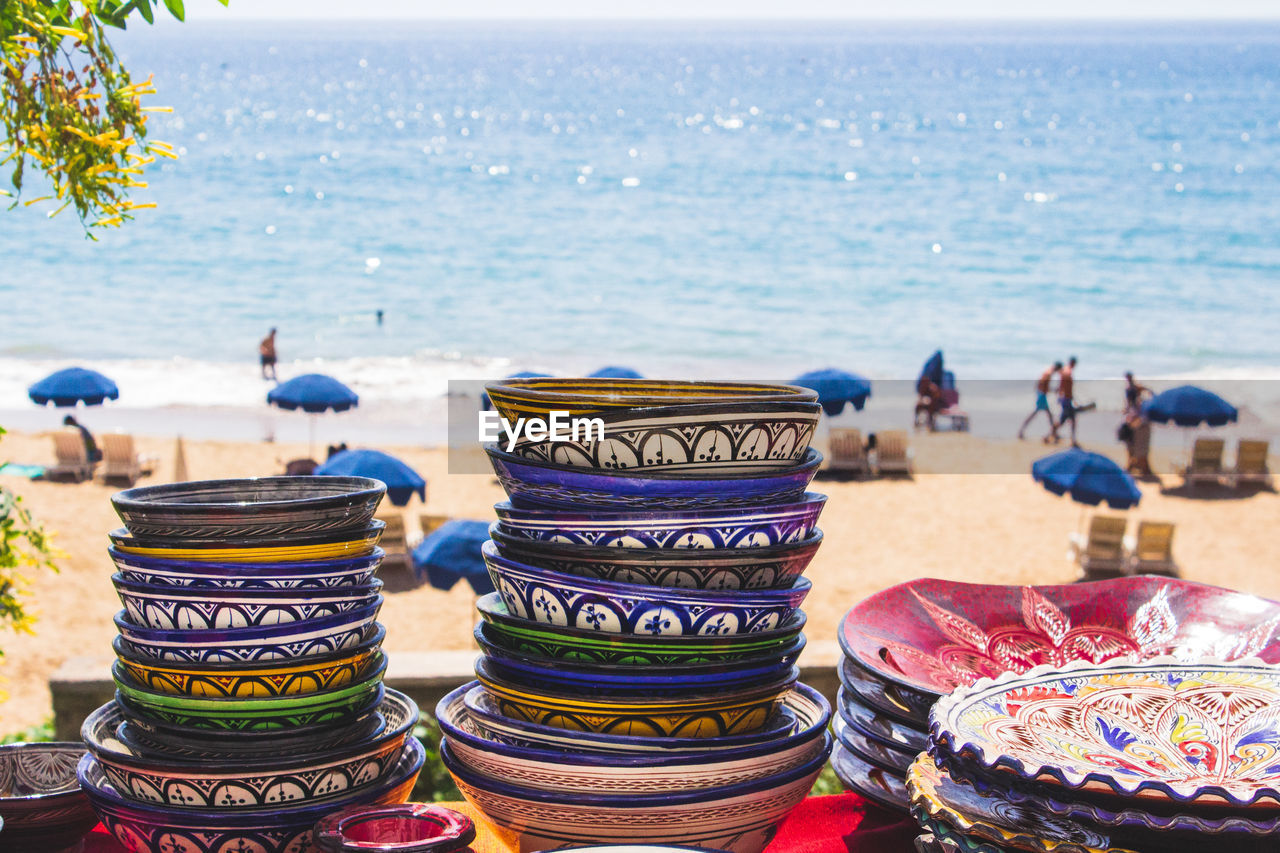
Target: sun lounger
x=394, y=538
x=73, y=460
x=1151, y=551
x=892, y=455
x=300, y=467
x=121, y=461
x=431, y=523
x=1206, y=462
x=957, y=418
x=1101, y=553
x=1251, y=463
x=848, y=455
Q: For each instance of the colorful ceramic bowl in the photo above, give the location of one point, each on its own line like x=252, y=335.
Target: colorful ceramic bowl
x=741, y=818
x=234, y=715
x=243, y=783
x=585, y=679
x=405, y=828
x=698, y=715
x=251, y=508
x=522, y=398
x=767, y=567
x=717, y=438
x=41, y=804
x=618, y=608
x=687, y=769
x=869, y=749
x=154, y=828
x=743, y=527
x=883, y=787
x=310, y=574
x=290, y=641
x=283, y=549
x=287, y=678
x=543, y=484
x=589, y=646
x=1166, y=731
x=934, y=635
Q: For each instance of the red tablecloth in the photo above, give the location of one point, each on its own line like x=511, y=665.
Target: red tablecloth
x=844, y=823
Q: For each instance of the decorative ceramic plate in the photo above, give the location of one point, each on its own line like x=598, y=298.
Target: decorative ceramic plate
x=878, y=726
x=935, y=635
x=1203, y=733
x=882, y=787
x=891, y=700
x=869, y=749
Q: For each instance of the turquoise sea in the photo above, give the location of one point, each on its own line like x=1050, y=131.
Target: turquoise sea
x=681, y=198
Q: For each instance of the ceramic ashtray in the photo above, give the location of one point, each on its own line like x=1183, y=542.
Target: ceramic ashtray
x=404, y=828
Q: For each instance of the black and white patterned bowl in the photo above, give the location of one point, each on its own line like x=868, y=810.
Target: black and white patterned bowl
x=41, y=803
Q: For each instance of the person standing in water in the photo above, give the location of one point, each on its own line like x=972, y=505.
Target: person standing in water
x=1042, y=402
x=267, y=355
x=1067, y=400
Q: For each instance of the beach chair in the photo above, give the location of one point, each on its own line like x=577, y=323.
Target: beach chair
x=957, y=418
x=73, y=460
x=430, y=523
x=300, y=467
x=1206, y=462
x=1251, y=464
x=394, y=539
x=1100, y=554
x=1151, y=551
x=121, y=461
x=892, y=454
x=848, y=454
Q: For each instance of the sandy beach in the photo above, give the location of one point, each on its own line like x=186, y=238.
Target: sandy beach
x=996, y=527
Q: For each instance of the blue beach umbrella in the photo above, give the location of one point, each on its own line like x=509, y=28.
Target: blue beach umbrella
x=613, y=371
x=73, y=385
x=1189, y=406
x=934, y=369
x=1089, y=478
x=835, y=388
x=313, y=393
x=401, y=480
x=452, y=553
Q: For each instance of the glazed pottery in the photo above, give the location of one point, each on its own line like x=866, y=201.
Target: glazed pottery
x=237, y=714
x=908, y=707
x=740, y=818
x=883, y=787
x=522, y=398
x=241, y=782
x=585, y=679
x=571, y=644
x=617, y=608
x=543, y=484
x=165, y=607
x=155, y=828
x=289, y=641
x=878, y=726
x=191, y=574
x=41, y=805
x=285, y=678
x=764, y=567
x=258, y=507
x=404, y=828
x=337, y=545
x=560, y=771
x=699, y=715
x=739, y=527
x=720, y=438
x=1203, y=734
x=935, y=635
x=181, y=742
x=869, y=749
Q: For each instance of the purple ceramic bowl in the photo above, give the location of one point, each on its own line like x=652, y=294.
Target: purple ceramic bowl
x=543, y=484
x=404, y=828
x=41, y=804
x=306, y=574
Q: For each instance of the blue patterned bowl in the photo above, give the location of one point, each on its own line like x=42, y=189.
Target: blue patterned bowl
x=686, y=768
x=588, y=679
x=261, y=643
x=154, y=828
x=705, y=529
x=544, y=484
x=309, y=574
x=591, y=604
x=206, y=609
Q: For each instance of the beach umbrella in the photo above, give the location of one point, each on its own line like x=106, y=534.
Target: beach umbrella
x=401, y=480
x=452, y=553
x=523, y=374
x=313, y=393
x=1089, y=478
x=1189, y=406
x=835, y=388
x=934, y=370
x=73, y=385
x=613, y=371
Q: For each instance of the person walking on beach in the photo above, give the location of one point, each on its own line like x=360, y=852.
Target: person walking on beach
x=267, y=355
x=1066, y=399
x=91, y=450
x=1042, y=402
x=1135, y=430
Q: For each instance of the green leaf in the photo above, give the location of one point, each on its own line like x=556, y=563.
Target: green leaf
x=176, y=9
x=144, y=6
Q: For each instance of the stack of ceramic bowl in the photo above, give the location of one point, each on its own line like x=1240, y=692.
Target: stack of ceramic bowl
x=249, y=668
x=908, y=646
x=638, y=681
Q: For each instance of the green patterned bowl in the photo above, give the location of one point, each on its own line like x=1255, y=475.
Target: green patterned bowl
x=276, y=713
x=572, y=644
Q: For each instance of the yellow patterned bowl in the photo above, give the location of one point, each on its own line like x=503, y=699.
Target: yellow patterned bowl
x=255, y=680
x=284, y=549
x=517, y=398
x=699, y=716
